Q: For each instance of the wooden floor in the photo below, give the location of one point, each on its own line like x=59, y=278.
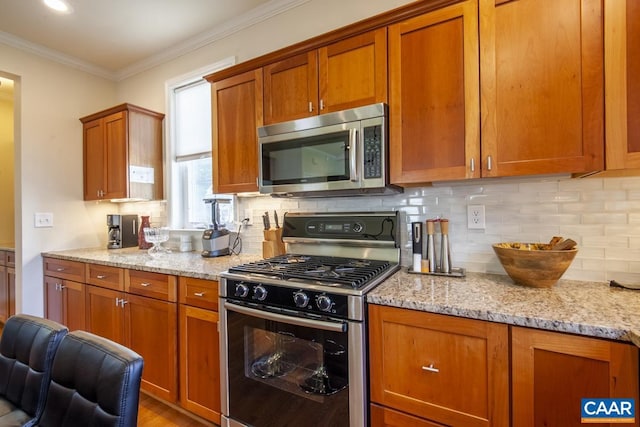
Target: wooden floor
x=153, y=413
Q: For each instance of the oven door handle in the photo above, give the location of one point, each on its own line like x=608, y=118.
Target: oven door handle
x=291, y=320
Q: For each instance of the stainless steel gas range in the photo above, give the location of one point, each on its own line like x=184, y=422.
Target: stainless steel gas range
x=293, y=328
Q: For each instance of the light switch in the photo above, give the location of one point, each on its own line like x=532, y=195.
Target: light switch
x=43, y=219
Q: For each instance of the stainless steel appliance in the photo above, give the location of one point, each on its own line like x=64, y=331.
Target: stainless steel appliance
x=123, y=231
x=293, y=327
x=215, y=240
x=341, y=153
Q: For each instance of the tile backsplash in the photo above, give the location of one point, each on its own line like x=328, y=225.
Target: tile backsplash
x=601, y=214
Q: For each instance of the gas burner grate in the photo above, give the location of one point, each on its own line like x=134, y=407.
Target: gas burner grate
x=344, y=271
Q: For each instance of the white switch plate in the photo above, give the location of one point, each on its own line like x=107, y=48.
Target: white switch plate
x=475, y=217
x=43, y=219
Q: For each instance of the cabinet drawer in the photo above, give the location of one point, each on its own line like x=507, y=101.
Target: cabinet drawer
x=10, y=259
x=420, y=362
x=153, y=285
x=64, y=269
x=105, y=276
x=385, y=417
x=199, y=293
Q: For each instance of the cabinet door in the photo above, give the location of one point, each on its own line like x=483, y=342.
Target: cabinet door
x=622, y=85
x=104, y=313
x=152, y=331
x=434, y=117
x=353, y=72
x=200, y=362
x=93, y=159
x=73, y=305
x=4, y=294
x=11, y=287
x=542, y=86
x=236, y=114
x=291, y=88
x=385, y=417
x=115, y=166
x=449, y=370
x=53, y=304
x=552, y=372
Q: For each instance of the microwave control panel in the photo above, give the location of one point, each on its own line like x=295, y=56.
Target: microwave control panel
x=373, y=151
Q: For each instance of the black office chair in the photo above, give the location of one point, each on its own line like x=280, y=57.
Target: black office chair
x=94, y=382
x=27, y=349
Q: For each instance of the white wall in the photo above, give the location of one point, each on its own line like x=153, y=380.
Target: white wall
x=48, y=166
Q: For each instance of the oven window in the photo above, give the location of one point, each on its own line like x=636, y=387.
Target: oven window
x=321, y=158
x=286, y=375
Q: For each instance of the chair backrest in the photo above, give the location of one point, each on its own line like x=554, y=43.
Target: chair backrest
x=27, y=349
x=94, y=382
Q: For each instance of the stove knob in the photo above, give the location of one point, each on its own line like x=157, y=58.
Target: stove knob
x=259, y=293
x=301, y=299
x=324, y=303
x=357, y=227
x=242, y=290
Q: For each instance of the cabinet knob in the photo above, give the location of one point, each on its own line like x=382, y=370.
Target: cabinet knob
x=430, y=368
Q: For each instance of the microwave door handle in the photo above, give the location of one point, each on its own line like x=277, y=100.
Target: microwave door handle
x=353, y=158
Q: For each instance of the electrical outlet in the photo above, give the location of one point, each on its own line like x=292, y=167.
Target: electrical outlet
x=475, y=217
x=248, y=213
x=43, y=219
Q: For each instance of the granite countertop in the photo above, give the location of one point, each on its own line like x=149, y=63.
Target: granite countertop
x=189, y=264
x=585, y=308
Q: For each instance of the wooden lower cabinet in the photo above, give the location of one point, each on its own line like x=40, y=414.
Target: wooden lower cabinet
x=11, y=288
x=64, y=302
x=7, y=285
x=552, y=372
x=444, y=369
x=385, y=417
x=199, y=348
x=147, y=326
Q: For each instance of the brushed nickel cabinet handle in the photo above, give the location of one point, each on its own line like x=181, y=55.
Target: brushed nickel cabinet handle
x=123, y=302
x=101, y=276
x=117, y=302
x=473, y=164
x=60, y=269
x=310, y=107
x=198, y=294
x=144, y=285
x=489, y=163
x=430, y=368
x=321, y=104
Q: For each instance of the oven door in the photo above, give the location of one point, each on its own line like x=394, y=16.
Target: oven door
x=324, y=158
x=280, y=370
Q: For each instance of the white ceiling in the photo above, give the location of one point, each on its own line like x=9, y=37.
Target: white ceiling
x=119, y=38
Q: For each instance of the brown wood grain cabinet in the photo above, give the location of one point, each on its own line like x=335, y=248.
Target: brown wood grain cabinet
x=444, y=369
x=199, y=351
x=434, y=117
x=236, y=108
x=541, y=80
x=4, y=288
x=552, y=372
x=622, y=85
x=122, y=149
x=345, y=74
x=143, y=319
x=64, y=292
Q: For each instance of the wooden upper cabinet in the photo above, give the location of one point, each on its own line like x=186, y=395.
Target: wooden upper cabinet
x=448, y=370
x=434, y=117
x=552, y=372
x=236, y=108
x=541, y=68
x=291, y=88
x=622, y=85
x=345, y=74
x=123, y=154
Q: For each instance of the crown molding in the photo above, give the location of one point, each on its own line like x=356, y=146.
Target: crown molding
x=254, y=16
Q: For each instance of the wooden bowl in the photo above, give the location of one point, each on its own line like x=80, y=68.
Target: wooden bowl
x=535, y=268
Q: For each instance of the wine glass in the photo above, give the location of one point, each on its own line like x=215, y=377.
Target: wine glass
x=157, y=236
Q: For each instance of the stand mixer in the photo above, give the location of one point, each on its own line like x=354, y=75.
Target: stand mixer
x=215, y=240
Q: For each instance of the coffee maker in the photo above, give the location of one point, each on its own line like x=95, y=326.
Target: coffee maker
x=123, y=231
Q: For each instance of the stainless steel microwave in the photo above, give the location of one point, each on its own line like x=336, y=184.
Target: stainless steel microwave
x=335, y=154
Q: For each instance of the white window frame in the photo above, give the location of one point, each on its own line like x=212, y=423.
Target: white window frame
x=173, y=190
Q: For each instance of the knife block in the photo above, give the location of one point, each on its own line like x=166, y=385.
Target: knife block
x=272, y=245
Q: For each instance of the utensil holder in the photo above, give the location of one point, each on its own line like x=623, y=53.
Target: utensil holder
x=272, y=245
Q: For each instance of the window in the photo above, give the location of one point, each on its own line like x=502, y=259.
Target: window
x=189, y=152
